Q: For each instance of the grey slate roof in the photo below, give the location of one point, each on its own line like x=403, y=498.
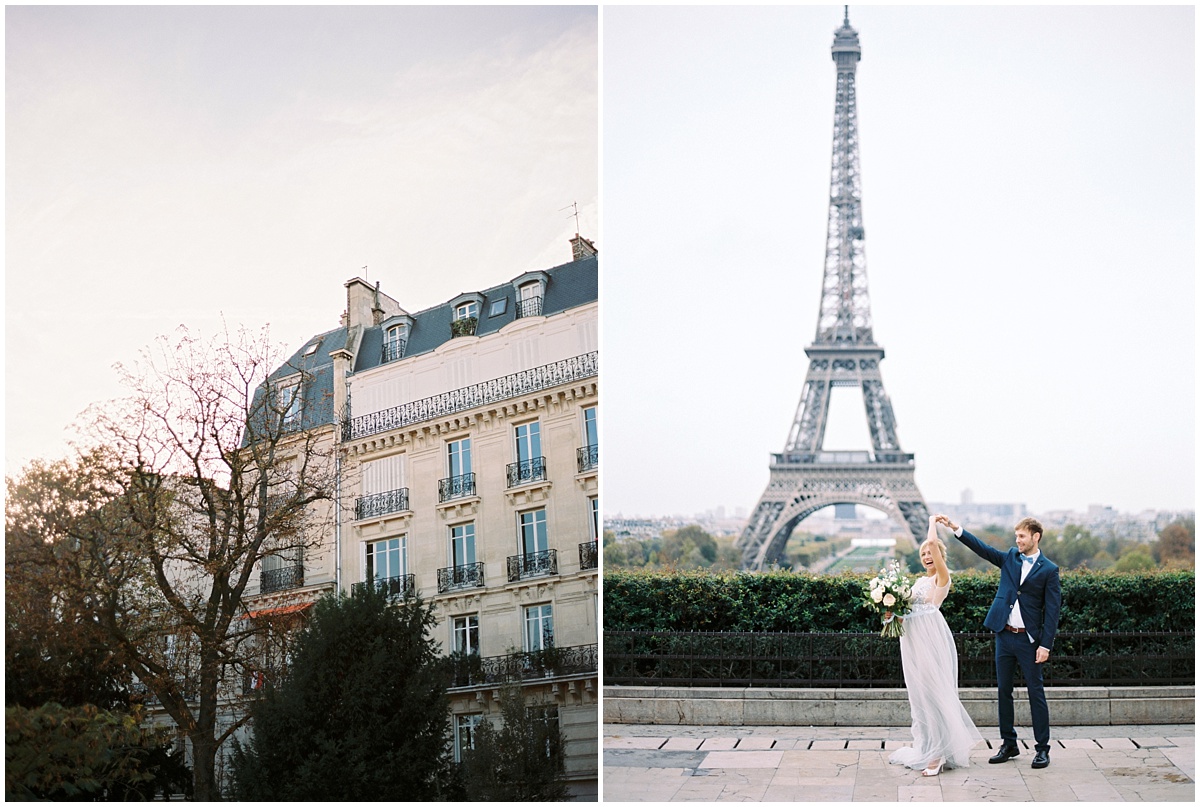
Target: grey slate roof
x=568, y=286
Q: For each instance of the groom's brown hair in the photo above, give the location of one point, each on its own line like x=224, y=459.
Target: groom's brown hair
x=1031, y=524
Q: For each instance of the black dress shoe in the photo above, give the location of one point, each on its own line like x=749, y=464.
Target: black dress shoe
x=1041, y=759
x=1005, y=753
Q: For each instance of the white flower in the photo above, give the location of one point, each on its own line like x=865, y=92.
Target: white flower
x=876, y=583
x=877, y=594
x=889, y=600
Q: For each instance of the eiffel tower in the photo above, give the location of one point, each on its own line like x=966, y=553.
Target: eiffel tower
x=806, y=478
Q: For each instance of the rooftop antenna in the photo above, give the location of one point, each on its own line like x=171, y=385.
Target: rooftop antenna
x=366, y=275
x=575, y=207
x=846, y=18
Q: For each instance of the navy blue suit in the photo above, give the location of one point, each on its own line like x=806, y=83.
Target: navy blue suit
x=1039, y=599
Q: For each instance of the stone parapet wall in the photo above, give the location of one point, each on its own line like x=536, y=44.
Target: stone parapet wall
x=717, y=706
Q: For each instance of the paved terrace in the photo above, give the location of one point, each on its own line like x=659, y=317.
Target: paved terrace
x=781, y=763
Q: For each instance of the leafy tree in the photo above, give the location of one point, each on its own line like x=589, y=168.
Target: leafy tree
x=85, y=753
x=362, y=713
x=1136, y=558
x=157, y=528
x=522, y=760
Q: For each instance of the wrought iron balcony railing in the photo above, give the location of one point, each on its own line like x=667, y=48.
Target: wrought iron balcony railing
x=553, y=662
x=393, y=350
x=280, y=579
x=589, y=556
x=532, y=564
x=453, y=578
x=529, y=307
x=400, y=587
x=588, y=458
x=497, y=389
x=531, y=470
x=378, y=504
x=455, y=487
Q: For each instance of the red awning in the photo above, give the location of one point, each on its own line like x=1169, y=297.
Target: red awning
x=278, y=610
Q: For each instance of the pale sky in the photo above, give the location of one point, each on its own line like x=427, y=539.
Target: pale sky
x=1029, y=203
x=171, y=165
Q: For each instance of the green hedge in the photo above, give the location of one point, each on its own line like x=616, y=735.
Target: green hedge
x=801, y=602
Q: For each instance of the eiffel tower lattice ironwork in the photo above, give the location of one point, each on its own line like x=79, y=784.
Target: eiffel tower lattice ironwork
x=805, y=477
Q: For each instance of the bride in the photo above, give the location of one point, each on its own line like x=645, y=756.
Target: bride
x=943, y=733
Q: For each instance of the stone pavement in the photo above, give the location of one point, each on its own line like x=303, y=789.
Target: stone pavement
x=779, y=763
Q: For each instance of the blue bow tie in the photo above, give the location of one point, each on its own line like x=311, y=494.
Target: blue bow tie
x=1027, y=559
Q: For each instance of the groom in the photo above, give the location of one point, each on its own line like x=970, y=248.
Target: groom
x=1024, y=617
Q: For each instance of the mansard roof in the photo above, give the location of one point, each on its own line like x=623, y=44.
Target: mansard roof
x=567, y=286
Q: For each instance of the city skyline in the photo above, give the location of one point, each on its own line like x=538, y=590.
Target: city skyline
x=222, y=165
x=1028, y=197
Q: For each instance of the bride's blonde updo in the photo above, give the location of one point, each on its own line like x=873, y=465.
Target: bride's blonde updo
x=936, y=541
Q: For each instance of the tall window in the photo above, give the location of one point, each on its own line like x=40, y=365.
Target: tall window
x=529, y=441
x=466, y=634
x=394, y=341
x=539, y=627
x=594, y=506
x=589, y=426
x=532, y=526
x=464, y=733
x=289, y=404
x=462, y=544
x=387, y=559
x=458, y=457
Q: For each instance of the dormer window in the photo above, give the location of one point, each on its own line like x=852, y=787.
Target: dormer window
x=465, y=317
x=394, y=341
x=290, y=404
x=531, y=291
x=467, y=310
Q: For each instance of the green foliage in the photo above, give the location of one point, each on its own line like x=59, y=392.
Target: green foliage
x=523, y=760
x=783, y=601
x=689, y=547
x=362, y=713
x=84, y=753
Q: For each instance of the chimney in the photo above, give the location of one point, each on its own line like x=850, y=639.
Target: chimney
x=366, y=305
x=581, y=248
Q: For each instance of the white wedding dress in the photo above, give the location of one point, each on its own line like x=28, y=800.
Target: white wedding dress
x=941, y=727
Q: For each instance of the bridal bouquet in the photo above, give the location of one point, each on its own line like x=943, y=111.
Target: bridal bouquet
x=890, y=591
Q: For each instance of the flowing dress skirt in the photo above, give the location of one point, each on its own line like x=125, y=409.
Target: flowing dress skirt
x=941, y=727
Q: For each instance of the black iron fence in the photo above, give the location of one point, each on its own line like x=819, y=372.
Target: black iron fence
x=397, y=588
x=553, y=662
x=649, y=658
x=529, y=307
x=378, y=504
x=532, y=564
x=497, y=389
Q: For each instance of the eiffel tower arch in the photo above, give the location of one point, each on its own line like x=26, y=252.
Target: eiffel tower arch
x=804, y=476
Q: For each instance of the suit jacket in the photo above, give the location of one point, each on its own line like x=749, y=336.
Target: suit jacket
x=1039, y=597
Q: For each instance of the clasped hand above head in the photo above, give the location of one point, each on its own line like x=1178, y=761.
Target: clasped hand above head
x=945, y=521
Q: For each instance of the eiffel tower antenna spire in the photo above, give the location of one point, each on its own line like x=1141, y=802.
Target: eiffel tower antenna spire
x=805, y=477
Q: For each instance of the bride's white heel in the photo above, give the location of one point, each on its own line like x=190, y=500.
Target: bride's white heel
x=933, y=771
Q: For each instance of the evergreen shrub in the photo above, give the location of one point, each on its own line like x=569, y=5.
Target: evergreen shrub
x=802, y=602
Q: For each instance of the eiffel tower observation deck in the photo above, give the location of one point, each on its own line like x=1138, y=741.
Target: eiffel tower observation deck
x=804, y=476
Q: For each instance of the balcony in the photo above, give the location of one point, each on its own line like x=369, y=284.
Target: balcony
x=529, y=307
x=378, y=504
x=400, y=587
x=589, y=556
x=393, y=350
x=281, y=579
x=453, y=578
x=525, y=471
x=524, y=382
x=553, y=662
x=463, y=327
x=588, y=458
x=456, y=487
x=532, y=564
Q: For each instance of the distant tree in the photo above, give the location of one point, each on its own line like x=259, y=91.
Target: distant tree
x=1136, y=558
x=1176, y=545
x=958, y=557
x=159, y=526
x=522, y=759
x=362, y=713
x=1073, y=548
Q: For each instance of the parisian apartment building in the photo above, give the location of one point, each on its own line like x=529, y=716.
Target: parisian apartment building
x=466, y=437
